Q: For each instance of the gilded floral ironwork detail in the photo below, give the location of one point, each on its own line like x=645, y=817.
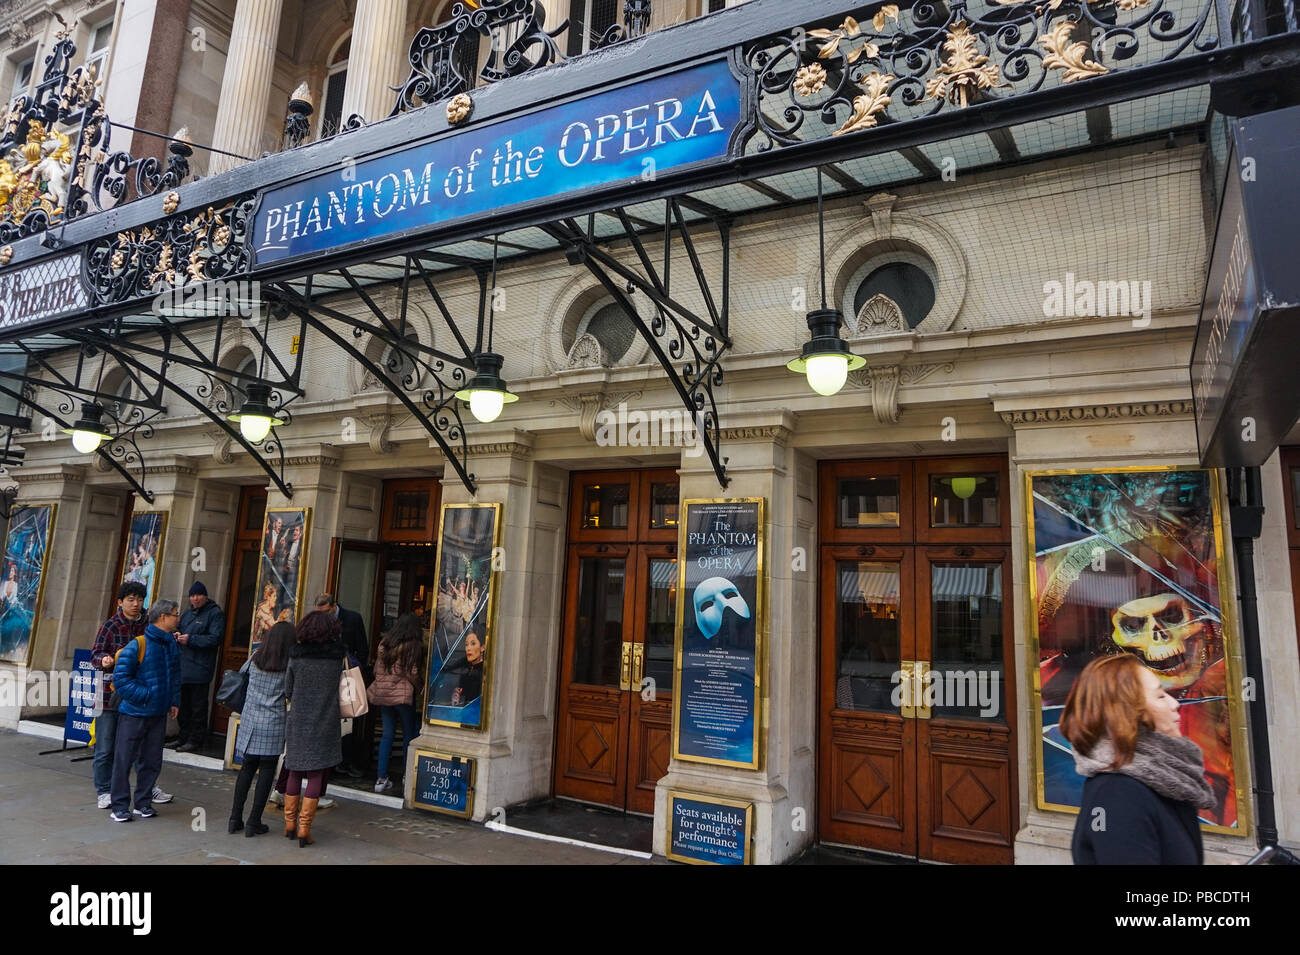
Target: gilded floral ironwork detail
x=882, y=64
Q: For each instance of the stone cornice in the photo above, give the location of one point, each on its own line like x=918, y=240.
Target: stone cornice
x=776, y=433
x=1148, y=409
x=64, y=473
x=312, y=460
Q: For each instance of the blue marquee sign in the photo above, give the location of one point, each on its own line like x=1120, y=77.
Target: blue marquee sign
x=629, y=134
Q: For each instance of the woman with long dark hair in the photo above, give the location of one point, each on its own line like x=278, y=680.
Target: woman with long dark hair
x=1145, y=780
x=397, y=675
x=261, y=726
x=313, y=738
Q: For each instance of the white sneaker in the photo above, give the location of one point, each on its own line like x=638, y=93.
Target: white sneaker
x=325, y=803
x=383, y=784
x=277, y=799
x=160, y=797
x=105, y=801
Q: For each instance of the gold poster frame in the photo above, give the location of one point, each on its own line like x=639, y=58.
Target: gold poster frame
x=744, y=804
x=40, y=587
x=304, y=563
x=1236, y=707
x=158, y=555
x=435, y=754
x=760, y=635
x=493, y=582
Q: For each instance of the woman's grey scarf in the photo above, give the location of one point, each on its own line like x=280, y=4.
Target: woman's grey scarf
x=1171, y=765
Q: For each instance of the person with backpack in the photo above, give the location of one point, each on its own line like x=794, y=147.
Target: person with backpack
x=147, y=678
x=397, y=675
x=115, y=633
x=261, y=726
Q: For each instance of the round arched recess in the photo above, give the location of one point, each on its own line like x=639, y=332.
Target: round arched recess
x=588, y=328
x=884, y=236
x=906, y=277
x=405, y=369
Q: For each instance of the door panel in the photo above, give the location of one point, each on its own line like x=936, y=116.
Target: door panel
x=592, y=760
x=869, y=749
x=650, y=745
x=965, y=773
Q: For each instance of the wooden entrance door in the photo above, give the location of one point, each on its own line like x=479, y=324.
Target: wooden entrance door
x=242, y=596
x=916, y=735
x=613, y=738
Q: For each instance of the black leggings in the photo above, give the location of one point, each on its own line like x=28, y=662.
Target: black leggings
x=251, y=766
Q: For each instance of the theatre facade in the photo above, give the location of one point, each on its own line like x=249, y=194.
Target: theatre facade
x=768, y=408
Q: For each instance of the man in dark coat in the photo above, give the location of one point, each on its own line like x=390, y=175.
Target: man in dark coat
x=203, y=627
x=357, y=746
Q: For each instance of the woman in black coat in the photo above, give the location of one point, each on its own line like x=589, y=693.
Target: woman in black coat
x=1145, y=780
x=312, y=731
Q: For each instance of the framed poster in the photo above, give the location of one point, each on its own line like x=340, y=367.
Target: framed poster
x=234, y=758
x=1130, y=560
x=443, y=783
x=465, y=621
x=281, y=570
x=22, y=587
x=709, y=830
x=719, y=641
x=143, y=556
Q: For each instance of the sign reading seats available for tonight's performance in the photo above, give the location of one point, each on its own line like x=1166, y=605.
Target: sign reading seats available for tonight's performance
x=629, y=134
x=707, y=830
x=719, y=631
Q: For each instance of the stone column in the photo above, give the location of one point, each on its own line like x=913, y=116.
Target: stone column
x=379, y=44
x=513, y=753
x=80, y=568
x=782, y=789
x=246, y=83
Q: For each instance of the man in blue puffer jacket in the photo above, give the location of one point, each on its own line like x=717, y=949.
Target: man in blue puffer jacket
x=150, y=691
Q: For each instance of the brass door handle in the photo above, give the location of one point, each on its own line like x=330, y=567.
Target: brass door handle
x=907, y=673
x=921, y=668
x=625, y=667
x=638, y=664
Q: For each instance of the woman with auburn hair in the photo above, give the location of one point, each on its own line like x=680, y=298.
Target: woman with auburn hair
x=1145, y=781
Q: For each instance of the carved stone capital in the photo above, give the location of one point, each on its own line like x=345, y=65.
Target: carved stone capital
x=520, y=452
x=380, y=426
x=221, y=446
x=776, y=433
x=589, y=405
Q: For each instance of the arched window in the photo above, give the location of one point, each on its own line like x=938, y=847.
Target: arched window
x=331, y=113
x=906, y=284
x=608, y=324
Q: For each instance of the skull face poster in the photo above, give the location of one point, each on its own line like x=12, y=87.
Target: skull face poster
x=719, y=627
x=1128, y=562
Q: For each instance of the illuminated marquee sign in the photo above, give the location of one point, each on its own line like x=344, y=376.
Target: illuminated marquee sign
x=630, y=134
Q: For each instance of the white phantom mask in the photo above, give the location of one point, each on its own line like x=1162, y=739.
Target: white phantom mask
x=711, y=597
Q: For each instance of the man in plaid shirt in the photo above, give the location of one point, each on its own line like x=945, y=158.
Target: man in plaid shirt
x=115, y=633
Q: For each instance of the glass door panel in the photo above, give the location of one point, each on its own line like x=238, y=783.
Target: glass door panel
x=357, y=573
x=661, y=619
x=598, y=627
x=966, y=640
x=868, y=638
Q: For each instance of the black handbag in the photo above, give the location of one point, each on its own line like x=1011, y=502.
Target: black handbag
x=233, y=689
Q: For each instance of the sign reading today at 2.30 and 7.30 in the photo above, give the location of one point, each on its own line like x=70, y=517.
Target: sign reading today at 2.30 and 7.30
x=443, y=783
x=632, y=133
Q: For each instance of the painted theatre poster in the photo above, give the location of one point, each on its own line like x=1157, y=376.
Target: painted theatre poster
x=143, y=555
x=1129, y=561
x=464, y=620
x=280, y=570
x=27, y=549
x=719, y=633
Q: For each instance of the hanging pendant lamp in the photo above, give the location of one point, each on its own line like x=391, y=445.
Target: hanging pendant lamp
x=826, y=359
x=487, y=392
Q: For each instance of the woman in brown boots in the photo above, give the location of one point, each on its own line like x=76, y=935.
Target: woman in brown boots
x=312, y=732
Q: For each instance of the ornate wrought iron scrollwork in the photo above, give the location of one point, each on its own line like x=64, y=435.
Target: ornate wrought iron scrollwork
x=518, y=38
x=895, y=64
x=173, y=252
x=636, y=22
x=49, y=175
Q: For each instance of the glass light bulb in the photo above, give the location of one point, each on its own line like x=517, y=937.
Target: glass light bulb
x=86, y=441
x=827, y=373
x=963, y=487
x=486, y=406
x=254, y=427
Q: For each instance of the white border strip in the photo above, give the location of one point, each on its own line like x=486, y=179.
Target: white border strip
x=564, y=840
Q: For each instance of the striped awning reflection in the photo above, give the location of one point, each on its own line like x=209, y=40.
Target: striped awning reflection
x=868, y=583
x=950, y=582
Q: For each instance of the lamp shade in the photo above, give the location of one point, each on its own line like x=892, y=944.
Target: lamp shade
x=826, y=359
x=486, y=392
x=256, y=417
x=88, y=431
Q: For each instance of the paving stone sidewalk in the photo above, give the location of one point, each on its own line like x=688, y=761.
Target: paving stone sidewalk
x=48, y=816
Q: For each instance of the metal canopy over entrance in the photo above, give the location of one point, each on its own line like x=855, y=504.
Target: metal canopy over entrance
x=646, y=144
